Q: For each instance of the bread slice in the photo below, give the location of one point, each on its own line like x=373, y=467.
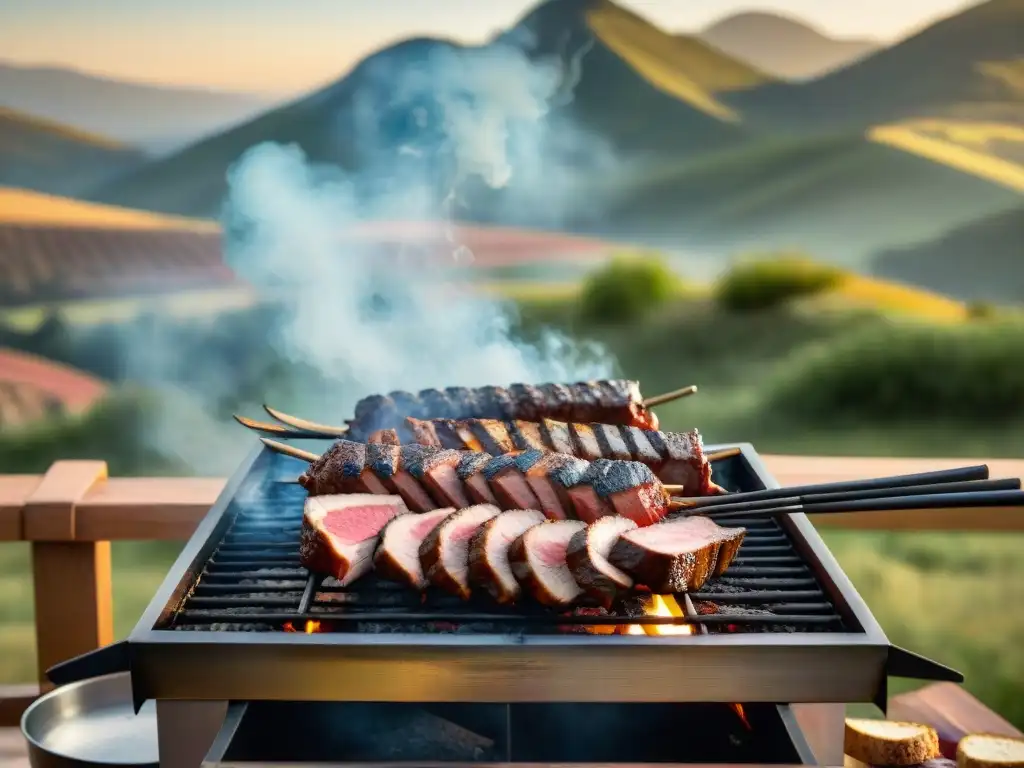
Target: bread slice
x=982, y=750
x=883, y=742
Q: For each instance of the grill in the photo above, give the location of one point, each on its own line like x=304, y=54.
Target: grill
x=239, y=620
x=253, y=582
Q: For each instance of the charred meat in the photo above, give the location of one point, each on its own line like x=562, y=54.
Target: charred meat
x=427, y=478
x=488, y=552
x=612, y=401
x=677, y=556
x=676, y=458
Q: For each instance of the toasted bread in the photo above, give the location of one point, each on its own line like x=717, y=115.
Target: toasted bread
x=882, y=742
x=982, y=750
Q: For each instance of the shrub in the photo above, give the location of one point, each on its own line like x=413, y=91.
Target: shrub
x=970, y=372
x=115, y=430
x=627, y=288
x=768, y=282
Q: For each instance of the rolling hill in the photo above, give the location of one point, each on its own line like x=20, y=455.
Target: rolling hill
x=980, y=261
x=632, y=96
x=967, y=64
x=787, y=48
x=839, y=197
x=41, y=155
x=155, y=117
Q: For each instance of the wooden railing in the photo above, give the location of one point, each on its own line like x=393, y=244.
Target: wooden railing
x=72, y=513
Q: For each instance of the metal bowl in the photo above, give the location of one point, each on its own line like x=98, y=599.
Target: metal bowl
x=89, y=724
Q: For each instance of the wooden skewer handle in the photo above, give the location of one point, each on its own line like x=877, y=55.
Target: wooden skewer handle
x=668, y=397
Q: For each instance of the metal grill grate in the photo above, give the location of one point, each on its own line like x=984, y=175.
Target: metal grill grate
x=253, y=582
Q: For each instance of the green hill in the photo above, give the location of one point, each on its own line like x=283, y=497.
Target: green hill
x=49, y=157
x=631, y=94
x=981, y=261
x=840, y=197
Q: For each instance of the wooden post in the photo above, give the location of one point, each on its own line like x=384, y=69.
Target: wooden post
x=73, y=597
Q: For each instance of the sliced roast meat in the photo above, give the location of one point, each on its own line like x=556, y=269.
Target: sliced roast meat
x=731, y=538
x=437, y=470
x=409, y=488
x=630, y=487
x=613, y=445
x=340, y=532
x=493, y=435
x=685, y=463
x=398, y=555
x=531, y=435
x=553, y=497
x=423, y=432
x=642, y=448
x=677, y=556
x=444, y=554
x=488, y=552
x=587, y=446
x=538, y=562
x=587, y=558
x=508, y=483
x=471, y=473
x=558, y=436
x=383, y=460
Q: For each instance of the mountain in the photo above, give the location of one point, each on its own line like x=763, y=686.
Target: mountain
x=980, y=261
x=640, y=93
x=156, y=117
x=785, y=47
x=968, y=65
x=839, y=197
x=49, y=157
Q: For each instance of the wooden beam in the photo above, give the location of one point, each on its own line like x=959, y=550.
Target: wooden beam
x=71, y=579
x=146, y=508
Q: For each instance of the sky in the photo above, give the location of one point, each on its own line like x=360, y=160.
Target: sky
x=287, y=46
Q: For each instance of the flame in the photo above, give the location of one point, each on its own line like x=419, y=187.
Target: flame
x=738, y=709
x=311, y=627
x=661, y=605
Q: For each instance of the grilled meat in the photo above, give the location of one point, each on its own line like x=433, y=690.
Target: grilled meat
x=675, y=457
x=677, y=556
x=587, y=558
x=428, y=478
x=488, y=552
x=398, y=555
x=538, y=562
x=613, y=401
x=444, y=553
x=340, y=532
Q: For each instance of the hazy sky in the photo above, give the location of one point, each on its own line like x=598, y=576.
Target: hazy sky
x=289, y=45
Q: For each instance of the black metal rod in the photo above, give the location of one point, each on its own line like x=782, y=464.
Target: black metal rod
x=755, y=506
x=298, y=619
x=960, y=474
x=891, y=503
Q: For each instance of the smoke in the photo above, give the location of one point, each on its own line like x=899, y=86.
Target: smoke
x=434, y=131
x=374, y=320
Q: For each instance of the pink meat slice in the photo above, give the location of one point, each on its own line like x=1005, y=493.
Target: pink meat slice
x=488, y=552
x=587, y=558
x=444, y=553
x=398, y=556
x=340, y=532
x=678, y=556
x=538, y=562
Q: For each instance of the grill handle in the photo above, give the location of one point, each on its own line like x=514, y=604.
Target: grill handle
x=107, y=660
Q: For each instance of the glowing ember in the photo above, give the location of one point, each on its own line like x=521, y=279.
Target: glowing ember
x=311, y=627
x=738, y=709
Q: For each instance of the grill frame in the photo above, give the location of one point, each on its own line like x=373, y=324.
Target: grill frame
x=848, y=666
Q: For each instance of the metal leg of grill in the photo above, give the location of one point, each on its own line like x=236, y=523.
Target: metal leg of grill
x=186, y=730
